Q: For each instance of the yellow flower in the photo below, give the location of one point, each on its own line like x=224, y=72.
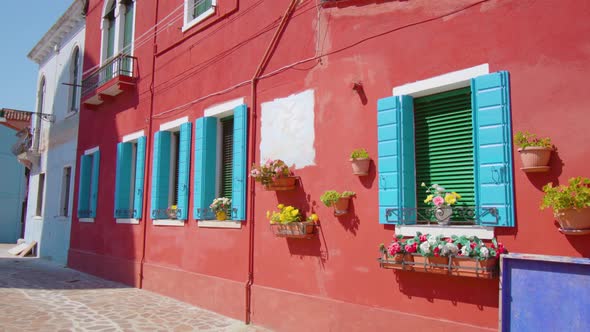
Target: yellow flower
x=272, y=221
x=456, y=195
x=428, y=198
x=282, y=217
x=423, y=184
x=280, y=206
x=313, y=217
x=267, y=214
x=294, y=213
x=450, y=199
x=289, y=208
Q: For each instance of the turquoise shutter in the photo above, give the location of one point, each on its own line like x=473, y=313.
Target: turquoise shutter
x=395, y=131
x=123, y=180
x=139, y=175
x=205, y=166
x=239, y=175
x=94, y=183
x=160, y=174
x=184, y=157
x=84, y=186
x=493, y=147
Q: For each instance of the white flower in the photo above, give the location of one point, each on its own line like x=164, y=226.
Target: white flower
x=452, y=248
x=484, y=252
x=432, y=240
x=425, y=247
x=465, y=251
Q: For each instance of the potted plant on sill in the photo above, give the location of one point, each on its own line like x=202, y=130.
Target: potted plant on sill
x=172, y=212
x=570, y=204
x=287, y=222
x=274, y=175
x=360, y=161
x=441, y=201
x=339, y=201
x=221, y=207
x=534, y=152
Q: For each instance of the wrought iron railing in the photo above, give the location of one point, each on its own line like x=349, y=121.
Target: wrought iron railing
x=462, y=215
x=84, y=213
x=125, y=213
x=121, y=65
x=209, y=214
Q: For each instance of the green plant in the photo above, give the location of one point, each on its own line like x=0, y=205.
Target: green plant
x=526, y=139
x=269, y=171
x=330, y=197
x=575, y=195
x=359, y=154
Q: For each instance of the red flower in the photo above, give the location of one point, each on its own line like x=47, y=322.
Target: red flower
x=423, y=238
x=436, y=251
x=449, y=240
x=472, y=245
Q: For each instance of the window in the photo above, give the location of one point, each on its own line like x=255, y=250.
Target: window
x=129, y=179
x=197, y=10
x=403, y=161
x=88, y=184
x=443, y=124
x=40, y=194
x=220, y=160
x=117, y=33
x=64, y=207
x=75, y=80
x=170, y=174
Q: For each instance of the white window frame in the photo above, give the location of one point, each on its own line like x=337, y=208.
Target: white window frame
x=132, y=138
x=39, y=210
x=191, y=22
x=221, y=111
x=62, y=192
x=172, y=127
x=77, y=79
x=119, y=30
x=88, y=152
x=442, y=83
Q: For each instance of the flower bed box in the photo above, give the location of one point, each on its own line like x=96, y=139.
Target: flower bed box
x=282, y=184
x=456, y=266
x=299, y=230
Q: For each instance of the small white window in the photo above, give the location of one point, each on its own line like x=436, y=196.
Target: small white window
x=64, y=206
x=40, y=194
x=196, y=11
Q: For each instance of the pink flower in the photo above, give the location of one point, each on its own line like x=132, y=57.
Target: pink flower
x=423, y=238
x=472, y=245
x=449, y=240
x=438, y=201
x=394, y=248
x=268, y=162
x=410, y=248
x=277, y=170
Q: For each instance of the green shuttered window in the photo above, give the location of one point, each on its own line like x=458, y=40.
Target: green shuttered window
x=227, y=143
x=129, y=179
x=88, y=185
x=444, y=144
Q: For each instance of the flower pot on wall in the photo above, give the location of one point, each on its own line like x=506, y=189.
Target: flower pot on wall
x=574, y=221
x=341, y=206
x=469, y=267
x=221, y=216
x=443, y=214
x=535, y=158
x=282, y=184
x=294, y=229
x=360, y=167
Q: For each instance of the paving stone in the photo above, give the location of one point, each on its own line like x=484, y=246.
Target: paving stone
x=36, y=295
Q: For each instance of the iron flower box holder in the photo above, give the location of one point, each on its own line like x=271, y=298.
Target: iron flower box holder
x=287, y=222
x=274, y=175
x=457, y=256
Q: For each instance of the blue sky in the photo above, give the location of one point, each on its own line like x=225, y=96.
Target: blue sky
x=22, y=25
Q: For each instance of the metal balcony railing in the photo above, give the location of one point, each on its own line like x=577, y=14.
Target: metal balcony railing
x=121, y=65
x=23, y=144
x=458, y=215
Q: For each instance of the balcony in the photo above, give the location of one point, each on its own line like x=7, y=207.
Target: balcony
x=23, y=149
x=113, y=78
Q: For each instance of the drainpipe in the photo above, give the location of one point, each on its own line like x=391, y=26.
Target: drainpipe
x=148, y=148
x=251, y=202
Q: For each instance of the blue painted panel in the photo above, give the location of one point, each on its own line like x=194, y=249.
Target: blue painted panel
x=139, y=178
x=493, y=145
x=12, y=188
x=84, y=186
x=205, y=166
x=94, y=182
x=123, y=180
x=183, y=169
x=160, y=174
x=545, y=293
x=239, y=168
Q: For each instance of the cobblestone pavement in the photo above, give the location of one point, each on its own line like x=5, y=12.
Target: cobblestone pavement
x=36, y=295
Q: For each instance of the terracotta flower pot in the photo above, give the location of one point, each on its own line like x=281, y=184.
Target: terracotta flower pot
x=294, y=229
x=398, y=262
x=574, y=221
x=471, y=267
x=360, y=167
x=282, y=184
x=341, y=206
x=535, y=158
x=438, y=264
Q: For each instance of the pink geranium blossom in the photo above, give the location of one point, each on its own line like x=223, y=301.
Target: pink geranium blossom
x=438, y=201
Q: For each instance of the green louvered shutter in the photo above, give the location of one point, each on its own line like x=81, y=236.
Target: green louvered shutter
x=227, y=129
x=444, y=144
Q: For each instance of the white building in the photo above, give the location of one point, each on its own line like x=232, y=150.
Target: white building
x=53, y=150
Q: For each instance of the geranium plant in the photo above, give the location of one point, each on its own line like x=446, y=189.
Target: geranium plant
x=576, y=195
x=438, y=197
x=330, y=197
x=359, y=154
x=221, y=205
x=524, y=139
x=288, y=214
x=269, y=171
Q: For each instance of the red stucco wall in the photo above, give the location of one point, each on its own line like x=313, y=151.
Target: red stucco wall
x=333, y=280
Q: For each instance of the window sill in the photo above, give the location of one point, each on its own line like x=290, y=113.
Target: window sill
x=38, y=218
x=71, y=114
x=219, y=224
x=168, y=222
x=484, y=233
x=86, y=219
x=198, y=19
x=129, y=221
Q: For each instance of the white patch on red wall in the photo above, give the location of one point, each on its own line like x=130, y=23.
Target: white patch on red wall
x=287, y=130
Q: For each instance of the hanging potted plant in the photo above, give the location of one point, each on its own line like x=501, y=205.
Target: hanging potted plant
x=570, y=204
x=221, y=207
x=442, y=202
x=360, y=161
x=288, y=222
x=339, y=201
x=274, y=175
x=534, y=152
